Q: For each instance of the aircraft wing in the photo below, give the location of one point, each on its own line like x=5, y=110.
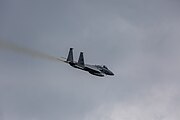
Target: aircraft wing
x=92, y=68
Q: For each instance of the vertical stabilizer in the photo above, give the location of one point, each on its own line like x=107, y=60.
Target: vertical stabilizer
x=81, y=59
x=70, y=55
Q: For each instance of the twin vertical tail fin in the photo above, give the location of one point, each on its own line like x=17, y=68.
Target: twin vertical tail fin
x=81, y=59
x=70, y=56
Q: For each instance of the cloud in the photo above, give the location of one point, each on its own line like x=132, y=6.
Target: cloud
x=159, y=103
x=137, y=39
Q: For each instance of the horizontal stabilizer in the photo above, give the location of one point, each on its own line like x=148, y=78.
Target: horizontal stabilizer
x=62, y=59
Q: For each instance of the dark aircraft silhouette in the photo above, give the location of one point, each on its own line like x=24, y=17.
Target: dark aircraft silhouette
x=97, y=70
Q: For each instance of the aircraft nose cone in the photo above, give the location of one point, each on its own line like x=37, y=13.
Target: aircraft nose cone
x=111, y=73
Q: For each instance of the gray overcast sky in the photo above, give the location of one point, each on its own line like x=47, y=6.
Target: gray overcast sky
x=137, y=39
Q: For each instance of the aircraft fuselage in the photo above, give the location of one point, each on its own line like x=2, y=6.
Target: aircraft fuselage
x=93, y=69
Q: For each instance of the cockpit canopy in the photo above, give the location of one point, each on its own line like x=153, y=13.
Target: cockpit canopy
x=105, y=67
x=101, y=66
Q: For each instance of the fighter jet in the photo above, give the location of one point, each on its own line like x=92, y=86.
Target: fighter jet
x=98, y=70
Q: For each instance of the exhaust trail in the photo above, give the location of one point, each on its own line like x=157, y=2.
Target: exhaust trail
x=19, y=49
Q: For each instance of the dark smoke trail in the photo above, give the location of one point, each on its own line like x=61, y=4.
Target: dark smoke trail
x=18, y=49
